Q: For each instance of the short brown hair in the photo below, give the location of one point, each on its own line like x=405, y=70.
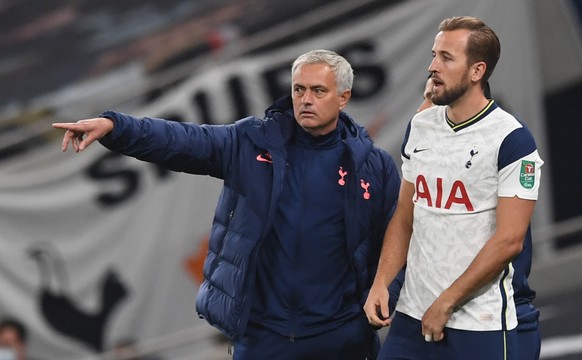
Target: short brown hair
x=483, y=44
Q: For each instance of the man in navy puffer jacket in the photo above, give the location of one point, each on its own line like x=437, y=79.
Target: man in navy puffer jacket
x=300, y=221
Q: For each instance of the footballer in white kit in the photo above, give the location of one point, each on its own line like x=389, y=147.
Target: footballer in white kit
x=459, y=172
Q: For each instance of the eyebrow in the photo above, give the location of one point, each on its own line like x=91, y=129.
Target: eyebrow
x=443, y=52
x=316, y=86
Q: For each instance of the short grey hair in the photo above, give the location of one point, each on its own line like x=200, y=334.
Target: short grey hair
x=344, y=74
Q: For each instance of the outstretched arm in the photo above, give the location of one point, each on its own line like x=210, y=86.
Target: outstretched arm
x=84, y=132
x=184, y=147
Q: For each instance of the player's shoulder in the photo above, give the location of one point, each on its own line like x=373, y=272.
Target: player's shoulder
x=428, y=117
x=430, y=113
x=504, y=121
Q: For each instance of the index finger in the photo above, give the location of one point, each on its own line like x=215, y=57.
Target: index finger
x=65, y=126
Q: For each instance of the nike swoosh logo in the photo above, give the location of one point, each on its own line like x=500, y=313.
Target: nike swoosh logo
x=261, y=158
x=419, y=150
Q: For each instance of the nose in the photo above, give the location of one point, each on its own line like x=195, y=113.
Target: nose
x=307, y=97
x=432, y=66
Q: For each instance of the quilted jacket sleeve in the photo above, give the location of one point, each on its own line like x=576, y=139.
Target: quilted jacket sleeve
x=184, y=147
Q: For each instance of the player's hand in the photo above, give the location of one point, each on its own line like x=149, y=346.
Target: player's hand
x=84, y=132
x=434, y=320
x=376, y=306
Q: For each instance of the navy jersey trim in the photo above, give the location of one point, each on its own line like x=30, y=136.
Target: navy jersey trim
x=405, y=141
x=516, y=145
x=491, y=105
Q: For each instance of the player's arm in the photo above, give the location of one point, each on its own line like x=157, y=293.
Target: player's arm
x=513, y=218
x=392, y=256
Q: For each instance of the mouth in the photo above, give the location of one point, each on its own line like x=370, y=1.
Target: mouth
x=307, y=113
x=437, y=82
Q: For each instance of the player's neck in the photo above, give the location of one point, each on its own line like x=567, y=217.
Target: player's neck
x=466, y=107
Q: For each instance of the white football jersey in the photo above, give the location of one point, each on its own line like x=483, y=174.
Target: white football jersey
x=459, y=172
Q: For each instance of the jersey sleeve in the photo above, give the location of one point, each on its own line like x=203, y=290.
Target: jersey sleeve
x=519, y=166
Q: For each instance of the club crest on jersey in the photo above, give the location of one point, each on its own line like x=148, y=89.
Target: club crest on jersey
x=468, y=164
x=527, y=174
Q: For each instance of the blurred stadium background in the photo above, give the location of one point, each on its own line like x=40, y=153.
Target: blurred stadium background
x=98, y=250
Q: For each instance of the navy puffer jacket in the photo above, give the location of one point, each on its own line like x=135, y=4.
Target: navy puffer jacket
x=248, y=201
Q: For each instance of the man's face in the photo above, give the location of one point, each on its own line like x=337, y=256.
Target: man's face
x=449, y=67
x=316, y=103
x=9, y=339
x=426, y=96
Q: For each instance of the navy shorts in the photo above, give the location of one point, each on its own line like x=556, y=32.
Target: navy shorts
x=355, y=340
x=405, y=342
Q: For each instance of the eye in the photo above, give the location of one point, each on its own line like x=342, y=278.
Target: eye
x=446, y=56
x=319, y=92
x=299, y=91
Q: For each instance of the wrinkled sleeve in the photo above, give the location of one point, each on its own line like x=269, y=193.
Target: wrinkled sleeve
x=183, y=147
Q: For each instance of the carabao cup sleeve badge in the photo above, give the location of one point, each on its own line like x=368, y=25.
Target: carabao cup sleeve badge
x=527, y=175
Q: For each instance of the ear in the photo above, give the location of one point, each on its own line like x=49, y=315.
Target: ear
x=477, y=71
x=344, y=98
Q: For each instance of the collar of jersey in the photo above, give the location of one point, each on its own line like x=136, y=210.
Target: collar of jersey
x=491, y=105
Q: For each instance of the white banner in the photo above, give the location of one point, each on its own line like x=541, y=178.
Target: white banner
x=96, y=246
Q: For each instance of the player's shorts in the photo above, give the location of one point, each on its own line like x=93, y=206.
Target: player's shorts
x=406, y=342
